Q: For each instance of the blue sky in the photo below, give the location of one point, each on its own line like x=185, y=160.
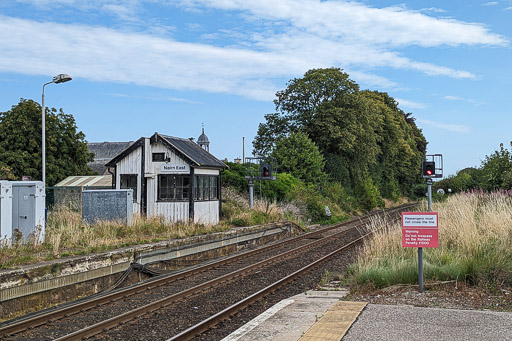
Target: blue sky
x=145, y=66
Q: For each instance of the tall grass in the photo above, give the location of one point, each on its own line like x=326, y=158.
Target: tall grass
x=67, y=235
x=475, y=245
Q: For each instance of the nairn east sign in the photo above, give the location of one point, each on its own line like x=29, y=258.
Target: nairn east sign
x=170, y=168
x=420, y=229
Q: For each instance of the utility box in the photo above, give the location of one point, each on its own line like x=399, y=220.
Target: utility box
x=5, y=213
x=108, y=205
x=28, y=210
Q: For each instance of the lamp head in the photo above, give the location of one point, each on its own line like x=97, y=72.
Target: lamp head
x=62, y=78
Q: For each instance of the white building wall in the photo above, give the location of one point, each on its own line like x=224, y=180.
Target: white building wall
x=131, y=164
x=206, y=212
x=172, y=211
x=154, y=167
x=204, y=171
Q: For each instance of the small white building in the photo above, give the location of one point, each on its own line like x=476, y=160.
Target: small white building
x=171, y=177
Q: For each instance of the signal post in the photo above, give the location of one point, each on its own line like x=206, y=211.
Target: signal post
x=266, y=172
x=420, y=229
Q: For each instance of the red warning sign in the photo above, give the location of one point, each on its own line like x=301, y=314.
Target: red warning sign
x=420, y=229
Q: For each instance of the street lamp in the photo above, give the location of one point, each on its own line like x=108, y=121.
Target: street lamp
x=61, y=78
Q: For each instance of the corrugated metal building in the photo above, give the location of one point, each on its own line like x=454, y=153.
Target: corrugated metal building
x=69, y=191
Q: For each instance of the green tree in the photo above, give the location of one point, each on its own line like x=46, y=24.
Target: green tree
x=299, y=156
x=369, y=145
x=497, y=169
x=6, y=172
x=20, y=143
x=298, y=104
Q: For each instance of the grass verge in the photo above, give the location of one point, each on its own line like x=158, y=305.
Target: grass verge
x=475, y=246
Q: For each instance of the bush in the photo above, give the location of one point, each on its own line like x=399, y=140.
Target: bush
x=368, y=196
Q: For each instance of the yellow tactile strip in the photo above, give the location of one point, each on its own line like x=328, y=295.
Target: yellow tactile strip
x=333, y=325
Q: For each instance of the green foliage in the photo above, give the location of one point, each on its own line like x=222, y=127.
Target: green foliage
x=299, y=156
x=360, y=134
x=494, y=173
x=466, y=179
x=6, y=172
x=497, y=169
x=20, y=143
x=368, y=196
x=234, y=176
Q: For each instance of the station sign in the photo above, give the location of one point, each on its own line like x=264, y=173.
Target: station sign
x=420, y=229
x=174, y=169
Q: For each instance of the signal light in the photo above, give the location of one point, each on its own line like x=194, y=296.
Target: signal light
x=265, y=170
x=428, y=169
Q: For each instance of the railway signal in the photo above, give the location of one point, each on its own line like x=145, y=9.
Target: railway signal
x=266, y=171
x=428, y=169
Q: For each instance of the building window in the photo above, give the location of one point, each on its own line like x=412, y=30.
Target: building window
x=158, y=157
x=129, y=181
x=206, y=187
x=173, y=187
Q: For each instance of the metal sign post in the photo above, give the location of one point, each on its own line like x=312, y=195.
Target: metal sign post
x=425, y=235
x=251, y=193
x=420, y=249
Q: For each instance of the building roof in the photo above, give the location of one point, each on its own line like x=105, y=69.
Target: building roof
x=104, y=152
x=185, y=148
x=86, y=181
x=107, y=150
x=194, y=152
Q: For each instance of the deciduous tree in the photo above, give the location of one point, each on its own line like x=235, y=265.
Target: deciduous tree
x=20, y=143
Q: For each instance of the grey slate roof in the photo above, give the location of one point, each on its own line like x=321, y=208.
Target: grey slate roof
x=104, y=152
x=185, y=148
x=107, y=150
x=194, y=152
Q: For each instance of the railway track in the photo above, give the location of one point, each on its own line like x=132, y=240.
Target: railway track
x=226, y=286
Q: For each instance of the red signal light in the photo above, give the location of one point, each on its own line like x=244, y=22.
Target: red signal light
x=429, y=168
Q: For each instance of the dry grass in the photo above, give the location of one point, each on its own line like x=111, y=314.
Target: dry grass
x=475, y=245
x=67, y=235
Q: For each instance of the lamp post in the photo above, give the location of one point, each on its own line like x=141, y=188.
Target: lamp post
x=61, y=78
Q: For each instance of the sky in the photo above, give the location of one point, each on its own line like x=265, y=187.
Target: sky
x=172, y=66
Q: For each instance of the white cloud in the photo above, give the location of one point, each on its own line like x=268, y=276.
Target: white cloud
x=102, y=54
x=351, y=35
x=433, y=10
x=450, y=127
x=453, y=98
x=358, y=22
x=158, y=98
x=490, y=3
x=403, y=103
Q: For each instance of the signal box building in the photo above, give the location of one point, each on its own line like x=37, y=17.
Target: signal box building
x=171, y=177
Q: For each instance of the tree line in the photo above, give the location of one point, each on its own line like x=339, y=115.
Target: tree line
x=327, y=131
x=495, y=173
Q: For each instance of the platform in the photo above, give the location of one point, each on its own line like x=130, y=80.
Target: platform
x=321, y=316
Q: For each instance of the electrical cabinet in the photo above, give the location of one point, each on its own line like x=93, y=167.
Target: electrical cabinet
x=5, y=213
x=107, y=205
x=28, y=209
